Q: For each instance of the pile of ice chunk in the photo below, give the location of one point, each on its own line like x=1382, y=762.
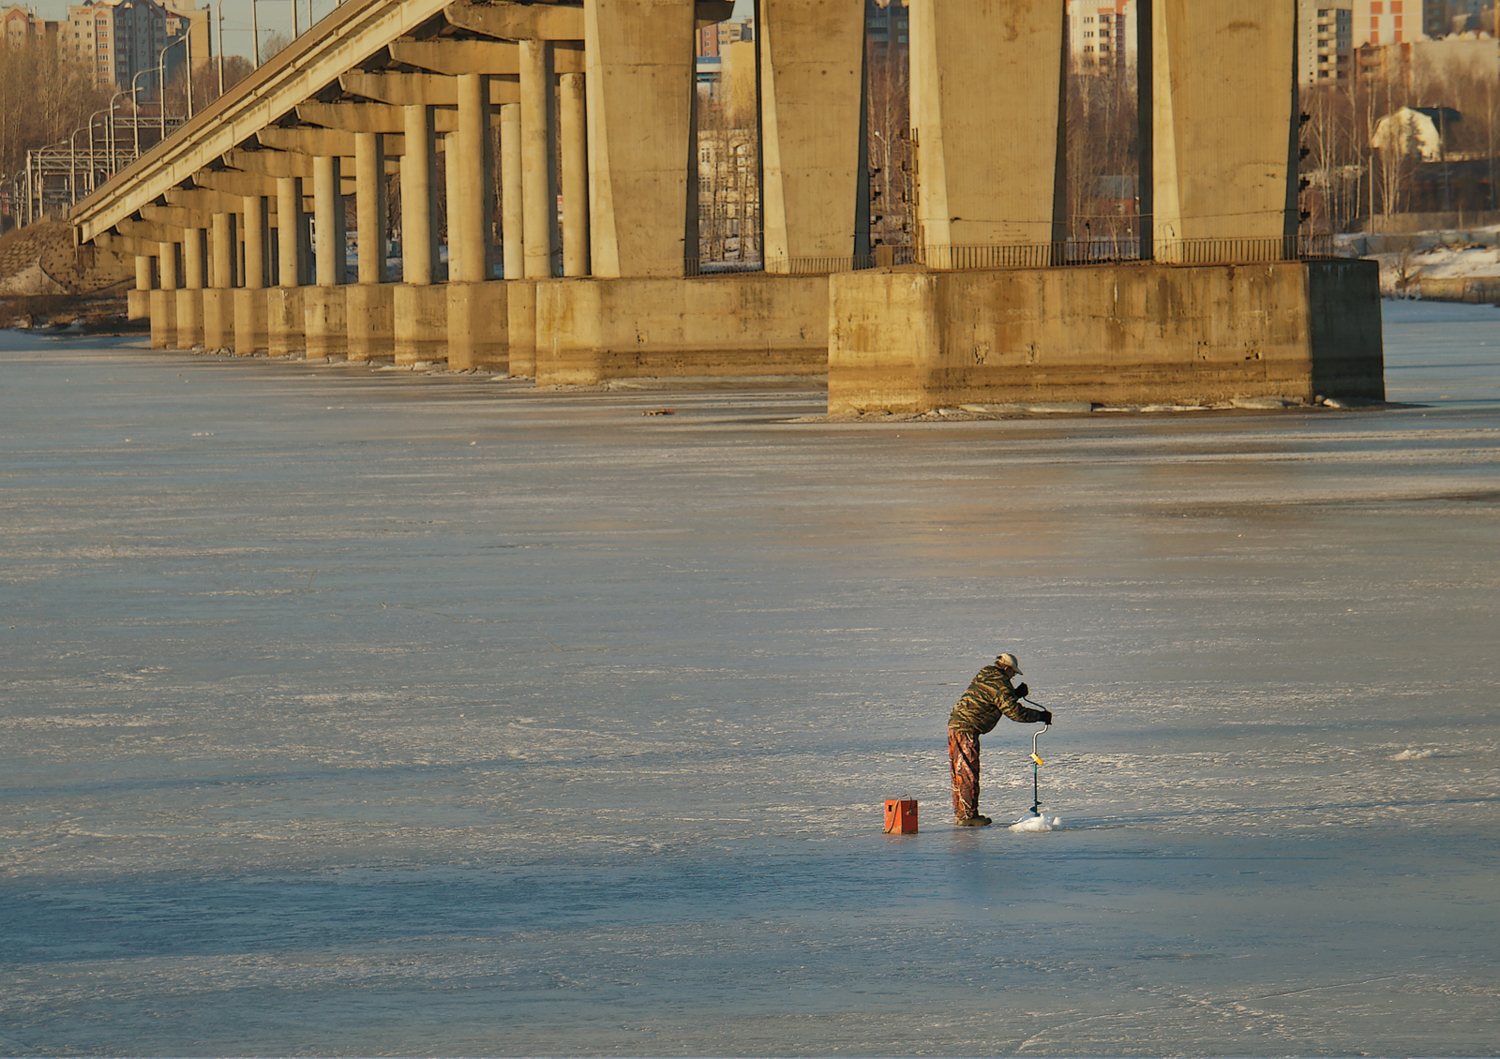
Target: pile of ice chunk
x=1034, y=822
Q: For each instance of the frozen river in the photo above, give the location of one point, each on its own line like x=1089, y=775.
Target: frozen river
x=368, y=713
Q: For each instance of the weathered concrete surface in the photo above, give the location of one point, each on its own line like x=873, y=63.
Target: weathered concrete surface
x=325, y=323
x=421, y=322
x=1225, y=121
x=218, y=317
x=640, y=91
x=478, y=335
x=164, y=319
x=520, y=317
x=189, y=308
x=911, y=340
x=285, y=320
x=370, y=311
x=138, y=304
x=750, y=324
x=812, y=69
x=250, y=321
x=985, y=90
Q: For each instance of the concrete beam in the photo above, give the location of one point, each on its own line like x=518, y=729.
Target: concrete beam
x=640, y=91
x=124, y=244
x=493, y=57
x=368, y=117
x=321, y=142
x=235, y=182
x=274, y=164
x=204, y=200
x=518, y=21
x=408, y=90
x=983, y=183
x=150, y=231
x=1225, y=97
x=177, y=217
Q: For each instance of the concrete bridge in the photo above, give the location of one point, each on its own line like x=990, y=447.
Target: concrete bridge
x=237, y=222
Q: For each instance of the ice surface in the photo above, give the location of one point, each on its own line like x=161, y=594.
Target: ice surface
x=324, y=731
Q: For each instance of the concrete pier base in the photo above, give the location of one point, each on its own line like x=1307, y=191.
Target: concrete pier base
x=163, y=319
x=478, y=336
x=138, y=304
x=589, y=330
x=189, y=318
x=520, y=320
x=912, y=341
x=369, y=309
x=285, y=321
x=218, y=318
x=421, y=326
x=324, y=322
x=249, y=321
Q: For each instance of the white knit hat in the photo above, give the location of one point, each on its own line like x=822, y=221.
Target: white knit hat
x=1008, y=659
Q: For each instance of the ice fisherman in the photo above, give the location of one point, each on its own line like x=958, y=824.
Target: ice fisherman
x=991, y=695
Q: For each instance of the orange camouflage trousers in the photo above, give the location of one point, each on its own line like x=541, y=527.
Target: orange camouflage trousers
x=963, y=762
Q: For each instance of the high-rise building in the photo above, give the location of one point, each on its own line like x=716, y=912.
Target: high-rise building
x=1387, y=22
x=1101, y=33
x=21, y=25
x=1325, y=41
x=887, y=24
x=119, y=39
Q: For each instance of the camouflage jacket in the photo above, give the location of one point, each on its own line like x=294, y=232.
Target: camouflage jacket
x=990, y=697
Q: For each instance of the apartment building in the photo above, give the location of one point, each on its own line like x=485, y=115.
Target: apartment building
x=1101, y=33
x=119, y=39
x=1325, y=41
x=21, y=25
x=1388, y=22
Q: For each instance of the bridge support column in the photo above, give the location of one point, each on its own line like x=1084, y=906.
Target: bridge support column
x=512, y=209
x=520, y=293
x=250, y=299
x=812, y=82
x=285, y=323
x=218, y=298
x=473, y=203
x=1224, y=162
x=420, y=309
x=538, y=184
x=977, y=188
x=190, y=298
x=573, y=133
x=323, y=304
x=138, y=301
x=477, y=333
x=639, y=81
x=164, y=298
x=369, y=304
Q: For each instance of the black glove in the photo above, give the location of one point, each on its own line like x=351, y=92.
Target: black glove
x=1022, y=690
x=1046, y=717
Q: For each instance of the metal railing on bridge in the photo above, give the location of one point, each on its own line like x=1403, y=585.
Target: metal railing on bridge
x=1069, y=253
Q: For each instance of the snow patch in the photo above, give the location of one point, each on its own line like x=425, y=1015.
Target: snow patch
x=1030, y=822
x=1413, y=755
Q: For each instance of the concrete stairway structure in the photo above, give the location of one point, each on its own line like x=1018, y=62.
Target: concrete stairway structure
x=236, y=222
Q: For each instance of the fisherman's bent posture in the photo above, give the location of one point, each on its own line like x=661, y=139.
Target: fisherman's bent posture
x=991, y=696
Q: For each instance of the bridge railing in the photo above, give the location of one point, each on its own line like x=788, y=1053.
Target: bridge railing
x=1072, y=252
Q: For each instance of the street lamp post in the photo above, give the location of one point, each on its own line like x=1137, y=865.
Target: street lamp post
x=135, y=106
x=161, y=76
x=93, y=164
x=114, y=160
